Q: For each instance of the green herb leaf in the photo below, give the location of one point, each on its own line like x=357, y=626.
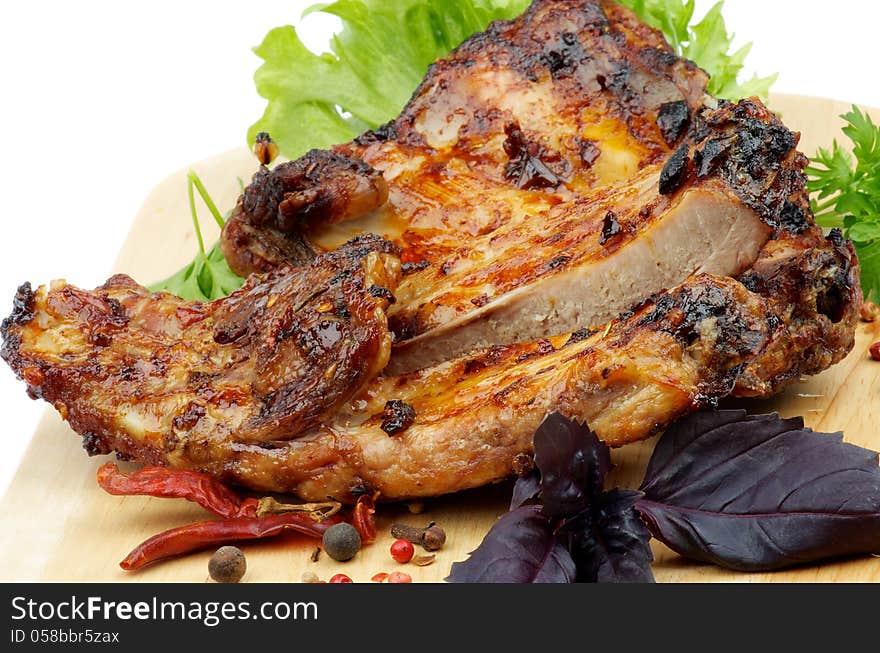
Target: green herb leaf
x=208, y=277
x=707, y=43
x=847, y=192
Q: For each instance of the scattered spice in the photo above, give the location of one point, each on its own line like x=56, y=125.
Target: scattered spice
x=402, y=551
x=363, y=518
x=310, y=577
x=399, y=577
x=424, y=560
x=342, y=542
x=317, y=511
x=875, y=351
x=227, y=565
x=340, y=578
x=432, y=537
x=161, y=482
x=381, y=577
x=610, y=228
x=870, y=312
x=241, y=518
x=315, y=554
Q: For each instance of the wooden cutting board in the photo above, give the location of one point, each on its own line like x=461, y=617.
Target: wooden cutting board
x=59, y=526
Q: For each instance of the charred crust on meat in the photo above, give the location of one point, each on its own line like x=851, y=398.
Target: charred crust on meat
x=397, y=416
x=381, y=134
x=188, y=417
x=557, y=262
x=488, y=358
x=411, y=267
x=793, y=218
x=747, y=146
x=579, y=336
x=675, y=171
x=529, y=166
x=382, y=293
x=589, y=152
x=563, y=56
x=226, y=334
x=22, y=309
x=94, y=445
x=265, y=229
x=610, y=228
x=480, y=300
x=673, y=119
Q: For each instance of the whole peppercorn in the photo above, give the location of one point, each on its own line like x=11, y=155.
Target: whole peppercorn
x=227, y=565
x=310, y=577
x=342, y=542
x=340, y=578
x=402, y=551
x=875, y=351
x=399, y=577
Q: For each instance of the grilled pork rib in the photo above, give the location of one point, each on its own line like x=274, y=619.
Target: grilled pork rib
x=531, y=184
x=457, y=425
x=560, y=171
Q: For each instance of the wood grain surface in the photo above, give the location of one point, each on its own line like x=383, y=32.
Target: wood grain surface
x=57, y=525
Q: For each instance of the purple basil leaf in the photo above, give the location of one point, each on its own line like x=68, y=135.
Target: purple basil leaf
x=525, y=489
x=609, y=542
x=520, y=548
x=573, y=463
x=760, y=493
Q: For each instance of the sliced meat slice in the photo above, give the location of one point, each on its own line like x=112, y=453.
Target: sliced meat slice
x=579, y=270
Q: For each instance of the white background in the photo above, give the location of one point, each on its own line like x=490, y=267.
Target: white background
x=101, y=100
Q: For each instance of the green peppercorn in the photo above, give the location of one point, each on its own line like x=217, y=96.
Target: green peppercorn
x=342, y=542
x=227, y=565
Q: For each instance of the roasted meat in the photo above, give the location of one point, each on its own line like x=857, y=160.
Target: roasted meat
x=532, y=187
x=457, y=425
x=136, y=371
x=569, y=225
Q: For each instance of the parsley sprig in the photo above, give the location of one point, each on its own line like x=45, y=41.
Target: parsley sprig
x=847, y=192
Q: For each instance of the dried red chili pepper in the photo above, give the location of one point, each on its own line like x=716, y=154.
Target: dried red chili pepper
x=162, y=482
x=363, y=519
x=205, y=535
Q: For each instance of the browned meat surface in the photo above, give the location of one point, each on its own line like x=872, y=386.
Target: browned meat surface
x=557, y=172
x=141, y=372
x=545, y=176
x=456, y=425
